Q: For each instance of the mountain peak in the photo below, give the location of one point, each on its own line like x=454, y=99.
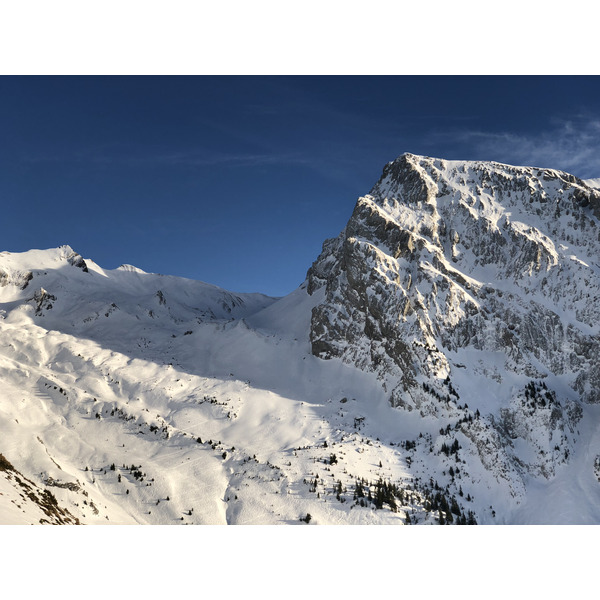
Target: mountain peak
x=434, y=242
x=423, y=179
x=131, y=269
x=19, y=267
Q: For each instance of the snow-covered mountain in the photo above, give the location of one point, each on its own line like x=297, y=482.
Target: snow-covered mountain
x=438, y=365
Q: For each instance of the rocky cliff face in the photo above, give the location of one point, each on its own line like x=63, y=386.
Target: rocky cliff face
x=443, y=256
x=472, y=284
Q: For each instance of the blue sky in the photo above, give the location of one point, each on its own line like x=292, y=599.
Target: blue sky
x=237, y=181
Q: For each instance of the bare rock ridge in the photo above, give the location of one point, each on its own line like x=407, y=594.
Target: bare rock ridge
x=21, y=491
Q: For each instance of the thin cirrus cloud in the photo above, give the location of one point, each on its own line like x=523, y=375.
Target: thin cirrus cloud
x=122, y=156
x=570, y=145
x=192, y=159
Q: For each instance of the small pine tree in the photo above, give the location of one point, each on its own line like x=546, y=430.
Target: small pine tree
x=454, y=507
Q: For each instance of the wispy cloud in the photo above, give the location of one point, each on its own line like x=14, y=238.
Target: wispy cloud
x=571, y=145
x=118, y=155
x=241, y=160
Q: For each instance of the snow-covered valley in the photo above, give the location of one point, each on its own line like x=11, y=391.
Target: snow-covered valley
x=438, y=365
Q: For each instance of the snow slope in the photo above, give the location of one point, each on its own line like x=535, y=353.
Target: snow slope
x=219, y=418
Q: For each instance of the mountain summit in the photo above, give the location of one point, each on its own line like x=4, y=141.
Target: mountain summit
x=446, y=257
x=438, y=365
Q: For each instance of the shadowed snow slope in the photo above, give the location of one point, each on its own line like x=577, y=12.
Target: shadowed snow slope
x=439, y=365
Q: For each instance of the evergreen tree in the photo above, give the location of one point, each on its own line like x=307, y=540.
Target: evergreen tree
x=454, y=506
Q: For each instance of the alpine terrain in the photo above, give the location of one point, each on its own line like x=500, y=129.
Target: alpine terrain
x=439, y=365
